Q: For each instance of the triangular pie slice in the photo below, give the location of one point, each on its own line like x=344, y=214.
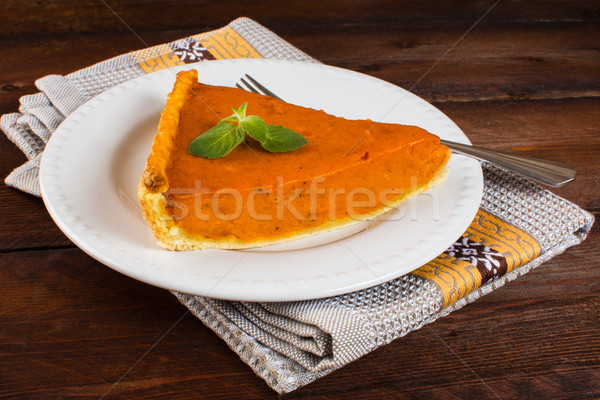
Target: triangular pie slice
x=349, y=171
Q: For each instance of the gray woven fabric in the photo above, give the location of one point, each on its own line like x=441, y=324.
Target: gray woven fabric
x=340, y=329
x=291, y=344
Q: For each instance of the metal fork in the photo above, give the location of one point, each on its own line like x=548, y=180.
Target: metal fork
x=552, y=173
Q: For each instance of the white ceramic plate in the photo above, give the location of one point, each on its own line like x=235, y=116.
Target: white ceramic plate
x=92, y=164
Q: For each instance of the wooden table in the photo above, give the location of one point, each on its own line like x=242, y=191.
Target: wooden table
x=526, y=78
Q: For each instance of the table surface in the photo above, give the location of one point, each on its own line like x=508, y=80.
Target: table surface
x=525, y=78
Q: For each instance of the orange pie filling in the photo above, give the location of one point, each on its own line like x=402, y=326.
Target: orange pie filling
x=349, y=170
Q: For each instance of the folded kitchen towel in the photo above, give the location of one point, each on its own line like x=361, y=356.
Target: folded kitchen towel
x=518, y=227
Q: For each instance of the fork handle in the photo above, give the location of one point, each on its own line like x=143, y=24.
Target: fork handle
x=551, y=173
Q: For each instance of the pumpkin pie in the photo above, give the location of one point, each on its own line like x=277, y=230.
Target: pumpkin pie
x=349, y=171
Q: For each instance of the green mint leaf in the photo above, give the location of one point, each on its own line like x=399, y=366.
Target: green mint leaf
x=233, y=118
x=218, y=141
x=255, y=126
x=240, y=112
x=279, y=139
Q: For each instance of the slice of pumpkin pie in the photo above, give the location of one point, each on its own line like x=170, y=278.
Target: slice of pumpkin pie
x=347, y=171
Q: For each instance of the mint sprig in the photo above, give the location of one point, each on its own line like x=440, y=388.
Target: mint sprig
x=219, y=140
x=278, y=139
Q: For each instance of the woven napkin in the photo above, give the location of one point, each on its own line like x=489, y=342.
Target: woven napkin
x=518, y=227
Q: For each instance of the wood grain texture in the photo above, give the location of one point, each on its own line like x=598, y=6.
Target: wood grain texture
x=73, y=327
x=43, y=17
x=531, y=60
x=525, y=79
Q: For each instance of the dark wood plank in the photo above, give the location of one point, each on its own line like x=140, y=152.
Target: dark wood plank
x=71, y=327
x=492, y=62
x=37, y=18
x=24, y=221
x=80, y=326
x=26, y=224
x=561, y=130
